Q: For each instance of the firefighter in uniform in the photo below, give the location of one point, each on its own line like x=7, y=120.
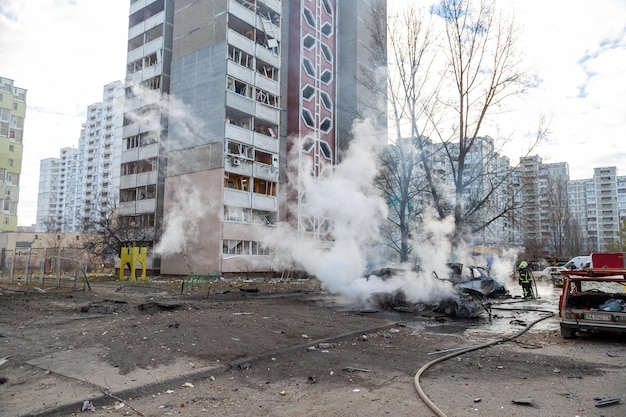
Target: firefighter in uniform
x=526, y=279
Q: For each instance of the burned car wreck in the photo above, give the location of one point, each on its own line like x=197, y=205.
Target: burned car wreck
x=476, y=278
x=470, y=291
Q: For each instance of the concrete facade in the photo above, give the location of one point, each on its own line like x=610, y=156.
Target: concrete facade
x=12, y=115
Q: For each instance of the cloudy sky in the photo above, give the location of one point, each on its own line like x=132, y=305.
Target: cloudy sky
x=64, y=51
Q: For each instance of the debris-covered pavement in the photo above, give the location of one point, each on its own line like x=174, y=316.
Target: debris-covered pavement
x=123, y=349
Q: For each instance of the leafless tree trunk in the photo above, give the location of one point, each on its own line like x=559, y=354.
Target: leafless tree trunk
x=105, y=235
x=450, y=71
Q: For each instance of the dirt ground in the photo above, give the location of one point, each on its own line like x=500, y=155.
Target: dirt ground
x=252, y=348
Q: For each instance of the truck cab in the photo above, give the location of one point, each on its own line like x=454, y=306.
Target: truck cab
x=593, y=300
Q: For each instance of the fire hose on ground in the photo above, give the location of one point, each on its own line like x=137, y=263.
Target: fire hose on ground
x=424, y=368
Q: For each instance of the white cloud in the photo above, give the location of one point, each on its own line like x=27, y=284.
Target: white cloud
x=62, y=52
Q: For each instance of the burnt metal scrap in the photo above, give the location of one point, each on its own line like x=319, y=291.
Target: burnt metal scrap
x=472, y=289
x=476, y=278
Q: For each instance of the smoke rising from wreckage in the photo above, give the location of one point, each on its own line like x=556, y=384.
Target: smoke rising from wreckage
x=470, y=289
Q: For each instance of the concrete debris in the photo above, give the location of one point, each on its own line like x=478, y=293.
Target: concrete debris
x=88, y=406
x=312, y=379
x=187, y=385
x=526, y=401
x=609, y=401
x=244, y=365
x=311, y=349
x=324, y=346
x=350, y=369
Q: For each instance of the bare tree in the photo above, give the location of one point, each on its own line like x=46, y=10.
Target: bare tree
x=444, y=90
x=106, y=234
x=558, y=210
x=402, y=184
x=574, y=243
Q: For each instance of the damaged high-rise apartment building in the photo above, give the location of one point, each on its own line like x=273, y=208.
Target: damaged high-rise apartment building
x=222, y=96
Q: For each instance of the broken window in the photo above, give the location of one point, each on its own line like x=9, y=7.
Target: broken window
x=244, y=247
x=267, y=218
x=128, y=195
x=264, y=187
x=236, y=214
x=238, y=149
x=266, y=98
x=237, y=182
x=263, y=157
x=129, y=168
x=240, y=57
x=267, y=70
x=146, y=165
x=146, y=192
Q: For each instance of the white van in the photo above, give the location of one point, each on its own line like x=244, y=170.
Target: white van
x=579, y=262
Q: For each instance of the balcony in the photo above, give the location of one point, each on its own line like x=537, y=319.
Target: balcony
x=242, y=12
x=129, y=155
x=146, y=178
x=149, y=151
x=265, y=142
x=268, y=172
x=238, y=166
x=147, y=24
x=240, y=42
x=240, y=102
x=238, y=134
x=153, y=46
x=240, y=72
x=128, y=181
x=267, y=113
x=268, y=56
x=237, y=198
x=272, y=4
x=264, y=202
x=267, y=84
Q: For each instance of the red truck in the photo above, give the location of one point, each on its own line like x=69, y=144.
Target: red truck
x=593, y=300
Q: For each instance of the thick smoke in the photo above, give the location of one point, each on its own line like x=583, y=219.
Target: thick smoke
x=357, y=210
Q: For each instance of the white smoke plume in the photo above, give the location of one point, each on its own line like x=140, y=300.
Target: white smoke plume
x=189, y=205
x=357, y=209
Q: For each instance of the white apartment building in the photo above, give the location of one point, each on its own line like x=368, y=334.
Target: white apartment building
x=599, y=203
x=100, y=148
x=48, y=194
x=70, y=187
x=73, y=187
x=145, y=125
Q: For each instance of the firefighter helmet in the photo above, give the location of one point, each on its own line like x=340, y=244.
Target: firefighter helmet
x=523, y=265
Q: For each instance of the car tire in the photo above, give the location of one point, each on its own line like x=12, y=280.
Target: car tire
x=448, y=310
